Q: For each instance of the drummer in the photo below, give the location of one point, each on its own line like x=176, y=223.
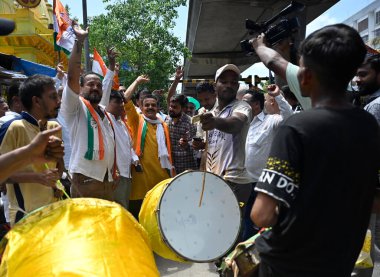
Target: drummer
x=227, y=128
x=151, y=141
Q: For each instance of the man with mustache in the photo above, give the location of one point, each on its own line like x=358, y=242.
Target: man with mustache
x=368, y=81
x=35, y=185
x=93, y=162
x=181, y=133
x=227, y=127
x=151, y=142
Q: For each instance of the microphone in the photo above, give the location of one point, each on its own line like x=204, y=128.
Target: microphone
x=6, y=26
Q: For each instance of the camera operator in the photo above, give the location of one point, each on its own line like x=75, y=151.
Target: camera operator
x=274, y=61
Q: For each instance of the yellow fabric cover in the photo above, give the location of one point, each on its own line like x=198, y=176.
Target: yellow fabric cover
x=78, y=237
x=148, y=219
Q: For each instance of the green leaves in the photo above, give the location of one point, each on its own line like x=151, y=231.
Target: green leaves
x=141, y=31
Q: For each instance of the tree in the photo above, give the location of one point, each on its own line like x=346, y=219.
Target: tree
x=376, y=43
x=141, y=32
x=68, y=9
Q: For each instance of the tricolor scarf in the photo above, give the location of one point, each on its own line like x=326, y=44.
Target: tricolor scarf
x=163, y=141
x=95, y=141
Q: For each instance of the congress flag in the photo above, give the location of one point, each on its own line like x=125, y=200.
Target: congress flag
x=64, y=36
x=100, y=68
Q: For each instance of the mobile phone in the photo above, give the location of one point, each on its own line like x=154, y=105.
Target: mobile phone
x=197, y=139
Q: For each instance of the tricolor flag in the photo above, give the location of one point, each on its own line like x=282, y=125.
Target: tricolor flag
x=100, y=68
x=98, y=65
x=64, y=36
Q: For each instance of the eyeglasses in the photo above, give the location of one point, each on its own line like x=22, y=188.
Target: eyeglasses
x=122, y=90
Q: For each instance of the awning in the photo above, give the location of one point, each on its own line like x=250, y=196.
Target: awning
x=28, y=68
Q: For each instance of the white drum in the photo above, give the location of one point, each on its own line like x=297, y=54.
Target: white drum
x=199, y=233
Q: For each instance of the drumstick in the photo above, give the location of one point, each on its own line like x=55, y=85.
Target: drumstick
x=204, y=174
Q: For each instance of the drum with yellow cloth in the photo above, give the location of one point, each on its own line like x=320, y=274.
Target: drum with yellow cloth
x=192, y=217
x=77, y=237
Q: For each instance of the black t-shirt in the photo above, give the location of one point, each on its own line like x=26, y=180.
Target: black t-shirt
x=323, y=169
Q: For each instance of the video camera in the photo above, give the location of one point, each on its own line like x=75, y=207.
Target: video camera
x=273, y=33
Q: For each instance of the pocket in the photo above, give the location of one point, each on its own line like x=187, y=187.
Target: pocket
x=258, y=138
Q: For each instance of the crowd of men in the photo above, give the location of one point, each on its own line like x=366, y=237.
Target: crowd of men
x=302, y=159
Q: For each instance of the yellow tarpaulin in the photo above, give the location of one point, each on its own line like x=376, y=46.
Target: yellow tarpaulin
x=78, y=237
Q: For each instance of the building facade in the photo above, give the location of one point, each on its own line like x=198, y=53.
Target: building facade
x=32, y=39
x=367, y=23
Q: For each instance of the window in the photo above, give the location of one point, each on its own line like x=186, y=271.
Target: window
x=365, y=38
x=363, y=25
x=376, y=33
x=377, y=17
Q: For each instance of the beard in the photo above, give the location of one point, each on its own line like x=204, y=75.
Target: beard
x=93, y=98
x=368, y=89
x=228, y=95
x=175, y=115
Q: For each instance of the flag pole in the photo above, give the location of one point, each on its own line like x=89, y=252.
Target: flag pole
x=86, y=45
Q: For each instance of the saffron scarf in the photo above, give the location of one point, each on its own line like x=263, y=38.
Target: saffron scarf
x=95, y=141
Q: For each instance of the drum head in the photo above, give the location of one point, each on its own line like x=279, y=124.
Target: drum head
x=199, y=234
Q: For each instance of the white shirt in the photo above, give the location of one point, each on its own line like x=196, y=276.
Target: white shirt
x=202, y=110
x=8, y=116
x=260, y=137
x=125, y=154
x=66, y=139
x=74, y=113
x=373, y=107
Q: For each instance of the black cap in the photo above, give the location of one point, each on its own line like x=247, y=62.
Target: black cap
x=6, y=26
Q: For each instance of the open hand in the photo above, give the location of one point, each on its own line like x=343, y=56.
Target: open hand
x=142, y=79
x=79, y=32
x=179, y=73
x=112, y=54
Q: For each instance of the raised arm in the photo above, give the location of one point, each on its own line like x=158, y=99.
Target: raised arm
x=273, y=60
x=74, y=69
x=60, y=79
x=173, y=87
x=132, y=88
x=108, y=79
x=283, y=105
x=270, y=58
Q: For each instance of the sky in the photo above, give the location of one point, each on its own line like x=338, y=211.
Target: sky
x=337, y=13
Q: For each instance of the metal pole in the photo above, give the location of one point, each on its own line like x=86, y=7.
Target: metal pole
x=86, y=45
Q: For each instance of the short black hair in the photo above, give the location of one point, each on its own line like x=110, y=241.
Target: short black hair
x=334, y=53
x=374, y=62
x=82, y=77
x=205, y=87
x=149, y=96
x=116, y=95
x=34, y=86
x=141, y=93
x=181, y=99
x=12, y=91
x=257, y=96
